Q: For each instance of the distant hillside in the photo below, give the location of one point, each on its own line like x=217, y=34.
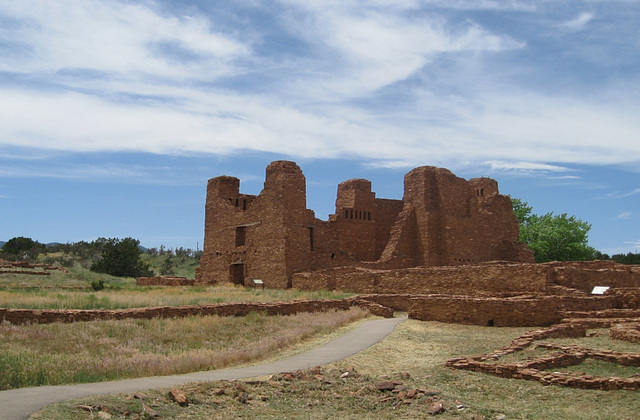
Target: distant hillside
x=2, y=243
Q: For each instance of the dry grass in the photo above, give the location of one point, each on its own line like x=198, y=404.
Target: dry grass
x=32, y=355
x=420, y=348
x=137, y=297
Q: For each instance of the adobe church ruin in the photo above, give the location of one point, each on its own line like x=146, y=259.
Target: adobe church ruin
x=442, y=220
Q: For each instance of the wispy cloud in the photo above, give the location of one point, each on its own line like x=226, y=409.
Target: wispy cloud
x=528, y=167
x=624, y=215
x=579, y=22
x=620, y=194
x=120, y=173
x=114, y=38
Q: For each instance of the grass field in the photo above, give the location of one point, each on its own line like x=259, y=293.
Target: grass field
x=73, y=290
x=414, y=355
x=52, y=354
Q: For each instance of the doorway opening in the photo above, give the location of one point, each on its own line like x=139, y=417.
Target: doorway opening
x=236, y=273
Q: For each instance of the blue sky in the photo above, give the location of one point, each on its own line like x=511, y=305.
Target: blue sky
x=113, y=114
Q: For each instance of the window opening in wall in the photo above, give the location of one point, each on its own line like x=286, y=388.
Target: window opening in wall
x=351, y=214
x=241, y=235
x=333, y=255
x=480, y=192
x=244, y=204
x=310, y=238
x=368, y=215
x=490, y=323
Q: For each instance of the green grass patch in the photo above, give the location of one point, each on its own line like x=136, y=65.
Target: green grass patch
x=601, y=368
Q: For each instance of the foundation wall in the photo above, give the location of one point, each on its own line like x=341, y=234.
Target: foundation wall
x=164, y=281
x=45, y=316
x=482, y=280
x=502, y=312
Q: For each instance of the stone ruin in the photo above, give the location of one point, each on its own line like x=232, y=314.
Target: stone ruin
x=448, y=251
x=442, y=220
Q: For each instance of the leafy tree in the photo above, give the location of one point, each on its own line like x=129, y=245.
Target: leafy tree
x=553, y=237
x=21, y=248
x=121, y=258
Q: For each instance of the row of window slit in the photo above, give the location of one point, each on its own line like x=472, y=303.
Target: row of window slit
x=244, y=203
x=357, y=214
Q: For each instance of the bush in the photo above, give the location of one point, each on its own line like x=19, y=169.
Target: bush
x=122, y=258
x=97, y=284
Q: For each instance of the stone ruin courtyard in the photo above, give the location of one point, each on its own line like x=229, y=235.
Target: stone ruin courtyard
x=447, y=252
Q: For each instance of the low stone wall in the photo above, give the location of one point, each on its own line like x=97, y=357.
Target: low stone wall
x=585, y=275
x=627, y=332
x=489, y=279
x=44, y=316
x=629, y=297
x=33, y=273
x=4, y=264
x=502, y=312
x=536, y=369
x=164, y=281
x=496, y=278
x=397, y=302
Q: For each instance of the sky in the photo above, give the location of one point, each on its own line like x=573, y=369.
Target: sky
x=114, y=114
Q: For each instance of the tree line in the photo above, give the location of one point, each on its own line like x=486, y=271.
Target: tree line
x=117, y=257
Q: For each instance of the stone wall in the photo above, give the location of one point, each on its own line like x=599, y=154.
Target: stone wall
x=485, y=279
x=8, y=267
x=627, y=332
x=585, y=275
x=544, y=369
x=491, y=279
x=45, y=316
x=502, y=312
x=164, y=281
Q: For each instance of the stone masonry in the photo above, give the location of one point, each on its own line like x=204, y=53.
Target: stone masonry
x=442, y=220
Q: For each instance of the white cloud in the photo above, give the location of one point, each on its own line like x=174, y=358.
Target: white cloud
x=526, y=167
x=579, y=22
x=446, y=107
x=113, y=37
x=624, y=215
x=376, y=47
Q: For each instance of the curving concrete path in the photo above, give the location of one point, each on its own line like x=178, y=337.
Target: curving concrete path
x=20, y=403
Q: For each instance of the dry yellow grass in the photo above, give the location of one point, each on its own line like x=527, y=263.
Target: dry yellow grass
x=148, y=296
x=32, y=355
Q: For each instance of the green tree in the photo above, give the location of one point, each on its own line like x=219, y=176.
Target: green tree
x=553, y=237
x=22, y=248
x=168, y=266
x=121, y=258
x=630, y=258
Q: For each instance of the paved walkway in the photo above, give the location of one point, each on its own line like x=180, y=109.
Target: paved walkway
x=20, y=403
